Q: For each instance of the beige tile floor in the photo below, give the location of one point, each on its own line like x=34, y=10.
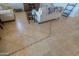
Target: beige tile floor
x=23, y=34
x=58, y=37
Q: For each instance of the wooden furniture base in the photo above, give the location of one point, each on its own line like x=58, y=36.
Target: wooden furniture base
x=30, y=17
x=1, y=23
x=1, y=27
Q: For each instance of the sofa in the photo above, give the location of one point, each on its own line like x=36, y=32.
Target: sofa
x=6, y=13
x=47, y=13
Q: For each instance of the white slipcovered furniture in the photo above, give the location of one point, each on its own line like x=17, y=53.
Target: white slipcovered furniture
x=44, y=14
x=6, y=13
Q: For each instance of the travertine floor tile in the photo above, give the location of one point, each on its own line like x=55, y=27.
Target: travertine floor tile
x=23, y=52
x=7, y=47
x=38, y=49
x=63, y=39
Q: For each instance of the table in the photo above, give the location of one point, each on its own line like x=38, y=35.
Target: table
x=1, y=23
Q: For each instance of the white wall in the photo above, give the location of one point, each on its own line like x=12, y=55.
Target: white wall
x=60, y=4
x=14, y=5
x=56, y=4
x=75, y=11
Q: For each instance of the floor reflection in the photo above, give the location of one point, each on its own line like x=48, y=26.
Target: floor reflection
x=21, y=34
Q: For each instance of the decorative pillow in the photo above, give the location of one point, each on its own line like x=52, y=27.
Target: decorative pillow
x=60, y=9
x=50, y=10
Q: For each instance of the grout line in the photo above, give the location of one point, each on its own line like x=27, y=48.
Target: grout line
x=29, y=45
x=34, y=42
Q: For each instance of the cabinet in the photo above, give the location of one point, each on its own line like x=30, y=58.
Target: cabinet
x=30, y=6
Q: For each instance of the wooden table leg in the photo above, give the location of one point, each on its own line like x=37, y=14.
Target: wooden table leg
x=1, y=27
x=0, y=38
x=1, y=22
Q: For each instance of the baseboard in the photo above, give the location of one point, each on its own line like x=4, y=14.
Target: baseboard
x=47, y=21
x=8, y=21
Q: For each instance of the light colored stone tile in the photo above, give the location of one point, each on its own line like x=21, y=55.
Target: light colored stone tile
x=7, y=47
x=23, y=52
x=63, y=39
x=39, y=48
x=22, y=33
